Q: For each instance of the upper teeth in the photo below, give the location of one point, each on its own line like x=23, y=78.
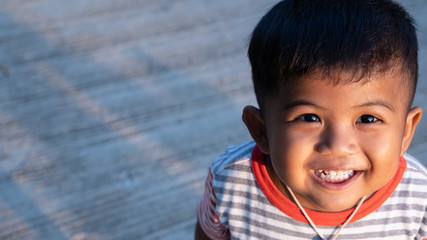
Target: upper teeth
x=334, y=176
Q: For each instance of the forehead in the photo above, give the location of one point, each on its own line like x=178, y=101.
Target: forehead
x=390, y=85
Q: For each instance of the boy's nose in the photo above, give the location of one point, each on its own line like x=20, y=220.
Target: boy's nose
x=337, y=140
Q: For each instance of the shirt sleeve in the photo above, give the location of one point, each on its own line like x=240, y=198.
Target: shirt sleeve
x=206, y=214
x=423, y=230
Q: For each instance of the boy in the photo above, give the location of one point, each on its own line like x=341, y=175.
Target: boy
x=334, y=80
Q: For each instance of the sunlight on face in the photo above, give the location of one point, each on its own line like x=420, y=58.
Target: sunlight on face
x=333, y=144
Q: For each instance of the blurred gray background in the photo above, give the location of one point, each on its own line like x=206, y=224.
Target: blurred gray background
x=111, y=111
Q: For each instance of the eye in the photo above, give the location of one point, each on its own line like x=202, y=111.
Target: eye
x=367, y=119
x=309, y=118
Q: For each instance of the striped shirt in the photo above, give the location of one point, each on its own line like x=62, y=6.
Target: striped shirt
x=241, y=202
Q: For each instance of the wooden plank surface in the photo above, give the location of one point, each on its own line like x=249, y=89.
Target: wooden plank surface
x=111, y=111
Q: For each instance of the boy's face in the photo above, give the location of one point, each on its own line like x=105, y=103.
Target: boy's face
x=333, y=144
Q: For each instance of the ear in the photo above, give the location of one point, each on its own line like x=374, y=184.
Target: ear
x=256, y=126
x=412, y=120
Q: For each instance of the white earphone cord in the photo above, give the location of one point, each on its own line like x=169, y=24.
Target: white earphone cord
x=314, y=226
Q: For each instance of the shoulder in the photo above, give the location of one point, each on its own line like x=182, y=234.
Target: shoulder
x=410, y=198
x=415, y=168
x=233, y=156
x=414, y=181
x=413, y=163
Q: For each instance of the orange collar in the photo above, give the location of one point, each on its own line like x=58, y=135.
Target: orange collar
x=320, y=218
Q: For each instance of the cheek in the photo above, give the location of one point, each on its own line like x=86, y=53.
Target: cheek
x=290, y=153
x=382, y=143
x=383, y=153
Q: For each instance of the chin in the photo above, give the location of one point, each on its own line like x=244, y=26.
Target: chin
x=335, y=205
x=336, y=209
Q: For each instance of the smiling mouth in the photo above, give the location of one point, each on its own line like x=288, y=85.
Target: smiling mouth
x=331, y=176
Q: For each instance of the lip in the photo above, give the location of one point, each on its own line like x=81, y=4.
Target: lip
x=337, y=185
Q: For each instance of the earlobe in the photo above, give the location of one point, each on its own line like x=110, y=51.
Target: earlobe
x=256, y=126
x=412, y=120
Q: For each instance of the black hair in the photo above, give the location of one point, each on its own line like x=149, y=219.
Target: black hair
x=297, y=37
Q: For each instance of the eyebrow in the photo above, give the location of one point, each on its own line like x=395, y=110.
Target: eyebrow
x=377, y=103
x=297, y=103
